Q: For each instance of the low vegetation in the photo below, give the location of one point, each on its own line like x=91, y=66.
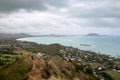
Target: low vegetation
x=114, y=75
x=16, y=70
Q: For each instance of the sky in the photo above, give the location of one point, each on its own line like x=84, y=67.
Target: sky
x=69, y=17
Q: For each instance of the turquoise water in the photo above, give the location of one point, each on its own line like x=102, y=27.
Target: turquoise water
x=105, y=44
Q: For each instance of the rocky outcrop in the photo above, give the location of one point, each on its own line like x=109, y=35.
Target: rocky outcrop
x=55, y=70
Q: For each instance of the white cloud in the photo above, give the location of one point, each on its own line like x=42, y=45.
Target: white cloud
x=64, y=17
x=36, y=22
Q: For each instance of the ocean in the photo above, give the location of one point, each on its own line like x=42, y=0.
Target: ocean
x=109, y=45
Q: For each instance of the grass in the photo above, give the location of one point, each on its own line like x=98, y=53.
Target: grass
x=114, y=75
x=5, y=45
x=57, y=58
x=15, y=71
x=10, y=58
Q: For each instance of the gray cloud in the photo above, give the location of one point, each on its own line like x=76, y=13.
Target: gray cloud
x=96, y=13
x=100, y=22
x=56, y=16
x=13, y=5
x=56, y=3
x=76, y=8
x=95, y=8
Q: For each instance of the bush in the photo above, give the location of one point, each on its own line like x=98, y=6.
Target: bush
x=79, y=68
x=106, y=76
x=89, y=70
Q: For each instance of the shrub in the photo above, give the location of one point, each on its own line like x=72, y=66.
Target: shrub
x=79, y=68
x=106, y=76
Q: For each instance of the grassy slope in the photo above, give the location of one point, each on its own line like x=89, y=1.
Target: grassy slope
x=16, y=70
x=114, y=75
x=33, y=68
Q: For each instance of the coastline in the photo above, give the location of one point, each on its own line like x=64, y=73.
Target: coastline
x=82, y=46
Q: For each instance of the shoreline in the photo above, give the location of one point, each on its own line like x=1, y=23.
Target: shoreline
x=84, y=45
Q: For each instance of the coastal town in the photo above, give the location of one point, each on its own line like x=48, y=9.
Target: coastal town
x=98, y=62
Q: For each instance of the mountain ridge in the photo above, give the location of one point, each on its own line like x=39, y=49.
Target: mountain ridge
x=34, y=68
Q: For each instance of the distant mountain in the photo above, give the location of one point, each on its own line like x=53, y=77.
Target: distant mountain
x=94, y=34
x=20, y=35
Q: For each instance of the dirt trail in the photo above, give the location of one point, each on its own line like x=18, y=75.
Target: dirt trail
x=38, y=67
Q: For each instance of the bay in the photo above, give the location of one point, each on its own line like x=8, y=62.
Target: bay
x=109, y=45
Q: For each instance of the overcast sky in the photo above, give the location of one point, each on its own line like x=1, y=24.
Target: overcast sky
x=76, y=17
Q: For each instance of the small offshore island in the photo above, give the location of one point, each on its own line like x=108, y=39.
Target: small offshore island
x=22, y=60
x=85, y=45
